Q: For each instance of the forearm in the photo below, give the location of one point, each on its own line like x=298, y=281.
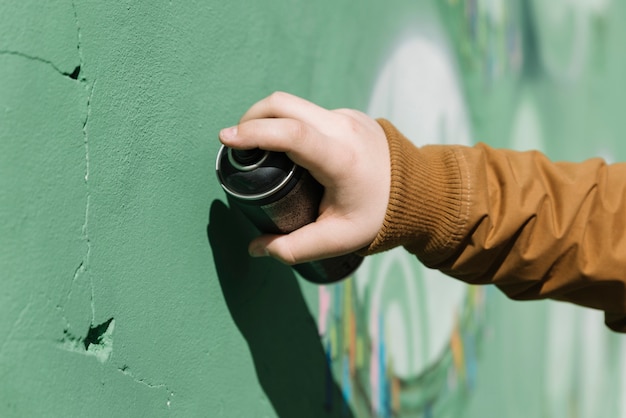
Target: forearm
x=535, y=228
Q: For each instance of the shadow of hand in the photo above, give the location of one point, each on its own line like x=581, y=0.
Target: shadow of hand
x=265, y=301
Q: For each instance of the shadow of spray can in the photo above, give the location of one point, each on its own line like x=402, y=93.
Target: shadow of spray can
x=278, y=197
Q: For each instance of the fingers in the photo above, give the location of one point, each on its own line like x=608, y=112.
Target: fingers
x=286, y=123
x=285, y=105
x=344, y=150
x=315, y=241
x=306, y=146
x=271, y=134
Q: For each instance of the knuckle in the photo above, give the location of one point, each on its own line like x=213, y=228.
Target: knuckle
x=247, y=130
x=352, y=120
x=347, y=112
x=298, y=131
x=353, y=125
x=277, y=99
x=244, y=128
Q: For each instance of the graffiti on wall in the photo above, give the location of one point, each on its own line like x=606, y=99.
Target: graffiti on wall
x=405, y=339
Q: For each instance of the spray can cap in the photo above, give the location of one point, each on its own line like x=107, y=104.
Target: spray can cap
x=253, y=174
x=247, y=159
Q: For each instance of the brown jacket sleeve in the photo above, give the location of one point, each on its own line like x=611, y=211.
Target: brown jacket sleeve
x=534, y=228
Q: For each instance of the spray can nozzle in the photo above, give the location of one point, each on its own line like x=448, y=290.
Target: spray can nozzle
x=247, y=159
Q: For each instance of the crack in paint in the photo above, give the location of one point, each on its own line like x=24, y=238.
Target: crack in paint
x=78, y=34
x=73, y=75
x=82, y=266
x=85, y=228
x=84, y=263
x=99, y=339
x=125, y=370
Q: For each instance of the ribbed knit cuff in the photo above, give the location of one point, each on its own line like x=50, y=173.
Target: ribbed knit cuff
x=427, y=201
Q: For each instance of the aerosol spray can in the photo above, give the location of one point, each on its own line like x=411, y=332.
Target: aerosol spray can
x=279, y=196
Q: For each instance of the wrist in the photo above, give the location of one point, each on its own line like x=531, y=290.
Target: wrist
x=427, y=200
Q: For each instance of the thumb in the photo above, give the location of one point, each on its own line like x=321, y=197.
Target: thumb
x=315, y=241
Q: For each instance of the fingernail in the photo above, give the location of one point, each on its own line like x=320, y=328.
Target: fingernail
x=228, y=133
x=258, y=251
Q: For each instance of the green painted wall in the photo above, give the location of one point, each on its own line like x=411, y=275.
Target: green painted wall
x=126, y=288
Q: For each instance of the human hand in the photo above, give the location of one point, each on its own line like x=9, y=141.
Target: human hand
x=345, y=150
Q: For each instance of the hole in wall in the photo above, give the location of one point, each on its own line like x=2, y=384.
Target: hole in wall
x=96, y=334
x=74, y=74
x=98, y=342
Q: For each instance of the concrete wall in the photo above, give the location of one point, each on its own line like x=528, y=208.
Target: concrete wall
x=126, y=288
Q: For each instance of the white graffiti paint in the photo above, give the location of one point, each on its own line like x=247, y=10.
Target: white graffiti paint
x=527, y=133
x=565, y=31
x=419, y=91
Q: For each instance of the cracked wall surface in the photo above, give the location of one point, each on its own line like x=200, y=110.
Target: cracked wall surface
x=126, y=285
x=111, y=302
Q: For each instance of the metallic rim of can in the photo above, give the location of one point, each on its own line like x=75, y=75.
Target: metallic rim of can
x=258, y=196
x=246, y=167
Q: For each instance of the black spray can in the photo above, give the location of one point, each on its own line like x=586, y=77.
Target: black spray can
x=278, y=197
